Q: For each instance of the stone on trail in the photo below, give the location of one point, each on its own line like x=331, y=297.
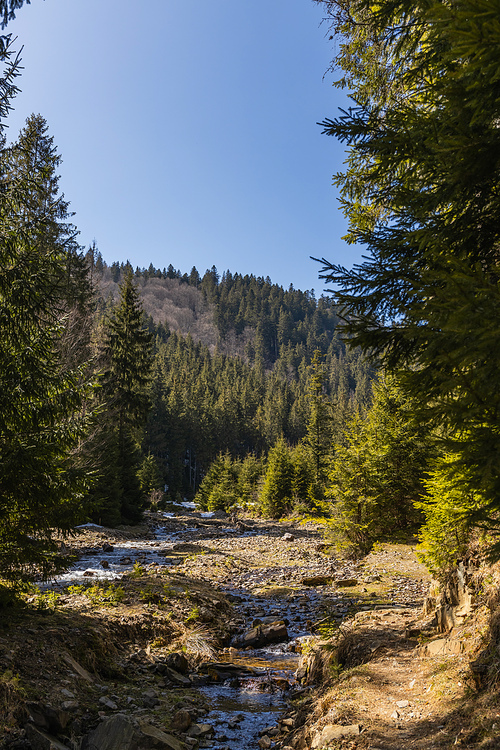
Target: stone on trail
x=334, y=732
x=288, y=537
x=442, y=646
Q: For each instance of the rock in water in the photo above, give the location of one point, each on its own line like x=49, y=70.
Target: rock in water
x=274, y=632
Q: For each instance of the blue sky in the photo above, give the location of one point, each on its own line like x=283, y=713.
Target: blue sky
x=188, y=130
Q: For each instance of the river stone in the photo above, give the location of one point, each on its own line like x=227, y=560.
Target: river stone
x=281, y=683
x=201, y=730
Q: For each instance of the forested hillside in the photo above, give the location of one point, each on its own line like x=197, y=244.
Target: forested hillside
x=232, y=365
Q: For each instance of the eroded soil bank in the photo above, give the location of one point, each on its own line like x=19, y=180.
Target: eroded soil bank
x=162, y=651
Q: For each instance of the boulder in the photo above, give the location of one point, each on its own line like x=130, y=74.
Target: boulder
x=154, y=737
x=200, y=731
x=262, y=635
x=176, y=677
x=178, y=662
x=108, y=703
x=46, y=717
x=40, y=740
x=119, y=733
x=150, y=699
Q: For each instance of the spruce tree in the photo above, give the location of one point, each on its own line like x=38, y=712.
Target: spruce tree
x=378, y=471
x=127, y=358
x=276, y=494
x=319, y=423
x=421, y=194
x=43, y=392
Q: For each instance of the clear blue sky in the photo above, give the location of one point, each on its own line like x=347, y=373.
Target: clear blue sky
x=188, y=130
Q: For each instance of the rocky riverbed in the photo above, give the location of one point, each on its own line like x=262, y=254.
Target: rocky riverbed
x=186, y=632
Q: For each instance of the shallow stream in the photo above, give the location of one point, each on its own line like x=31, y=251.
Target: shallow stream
x=252, y=698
